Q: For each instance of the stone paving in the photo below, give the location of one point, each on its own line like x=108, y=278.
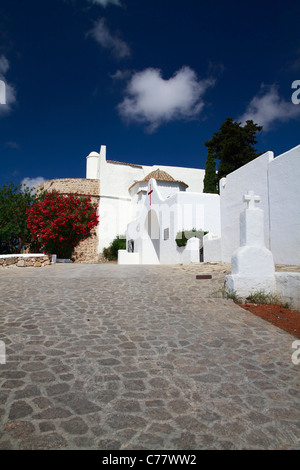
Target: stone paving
x=114, y=357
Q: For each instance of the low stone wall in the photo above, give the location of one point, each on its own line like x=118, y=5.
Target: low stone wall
x=23, y=261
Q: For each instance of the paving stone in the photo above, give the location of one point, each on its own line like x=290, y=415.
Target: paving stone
x=12, y=384
x=46, y=426
x=186, y=441
x=57, y=389
x=19, y=409
x=43, y=377
x=53, y=413
x=109, y=360
x=127, y=405
x=75, y=426
x=134, y=385
x=19, y=428
x=29, y=391
x=46, y=441
x=108, y=444
x=79, y=404
x=42, y=402
x=119, y=421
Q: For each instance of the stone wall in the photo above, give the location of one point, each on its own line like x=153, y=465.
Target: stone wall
x=23, y=261
x=87, y=250
x=80, y=186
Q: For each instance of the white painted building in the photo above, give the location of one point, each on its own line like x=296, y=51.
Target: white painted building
x=151, y=204
x=124, y=199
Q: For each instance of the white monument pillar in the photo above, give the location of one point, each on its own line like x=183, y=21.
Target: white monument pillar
x=252, y=265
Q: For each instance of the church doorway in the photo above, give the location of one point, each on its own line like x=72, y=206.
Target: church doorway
x=150, y=252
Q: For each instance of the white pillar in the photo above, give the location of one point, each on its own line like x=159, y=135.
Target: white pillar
x=92, y=165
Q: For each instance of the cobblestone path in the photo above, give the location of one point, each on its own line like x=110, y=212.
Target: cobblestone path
x=140, y=357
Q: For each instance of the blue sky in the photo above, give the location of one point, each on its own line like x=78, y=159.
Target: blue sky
x=150, y=79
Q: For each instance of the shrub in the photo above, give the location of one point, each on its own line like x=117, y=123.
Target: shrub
x=111, y=253
x=59, y=222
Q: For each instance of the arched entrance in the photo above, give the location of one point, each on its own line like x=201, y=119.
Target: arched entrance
x=150, y=239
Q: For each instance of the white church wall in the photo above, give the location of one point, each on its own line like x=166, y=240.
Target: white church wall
x=190, y=253
x=167, y=189
x=185, y=211
x=115, y=179
x=252, y=176
x=114, y=214
x=284, y=198
x=199, y=211
x=115, y=209
x=212, y=248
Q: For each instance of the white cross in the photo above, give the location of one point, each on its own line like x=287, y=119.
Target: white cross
x=250, y=198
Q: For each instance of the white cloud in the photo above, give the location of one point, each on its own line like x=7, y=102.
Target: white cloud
x=107, y=40
x=7, y=91
x=32, y=182
x=104, y=3
x=268, y=108
x=153, y=101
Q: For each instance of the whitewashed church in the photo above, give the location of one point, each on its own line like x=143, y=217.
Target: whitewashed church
x=152, y=205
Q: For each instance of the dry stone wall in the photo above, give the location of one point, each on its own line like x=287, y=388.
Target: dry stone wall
x=82, y=186
x=87, y=250
x=21, y=261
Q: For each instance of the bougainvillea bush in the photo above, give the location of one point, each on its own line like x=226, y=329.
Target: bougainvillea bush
x=59, y=222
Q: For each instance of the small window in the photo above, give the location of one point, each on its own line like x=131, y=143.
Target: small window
x=166, y=234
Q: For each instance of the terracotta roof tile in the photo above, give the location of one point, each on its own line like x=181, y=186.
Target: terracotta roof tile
x=123, y=163
x=159, y=175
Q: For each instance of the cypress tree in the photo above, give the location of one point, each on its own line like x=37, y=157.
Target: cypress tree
x=233, y=145
x=210, y=178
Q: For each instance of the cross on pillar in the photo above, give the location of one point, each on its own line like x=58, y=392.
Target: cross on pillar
x=149, y=194
x=251, y=198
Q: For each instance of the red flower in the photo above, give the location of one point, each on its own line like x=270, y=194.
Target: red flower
x=60, y=222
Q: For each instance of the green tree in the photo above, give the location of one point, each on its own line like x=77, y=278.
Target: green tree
x=14, y=233
x=210, y=178
x=234, y=145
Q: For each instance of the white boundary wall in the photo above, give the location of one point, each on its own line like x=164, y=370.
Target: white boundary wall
x=284, y=201
x=276, y=181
